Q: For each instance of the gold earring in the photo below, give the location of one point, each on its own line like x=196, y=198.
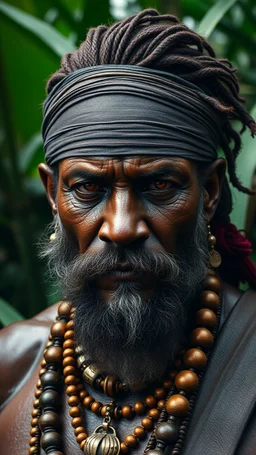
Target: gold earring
x=54, y=234
x=214, y=256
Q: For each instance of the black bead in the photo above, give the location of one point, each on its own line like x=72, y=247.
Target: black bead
x=50, y=379
x=51, y=441
x=49, y=420
x=49, y=400
x=155, y=452
x=167, y=432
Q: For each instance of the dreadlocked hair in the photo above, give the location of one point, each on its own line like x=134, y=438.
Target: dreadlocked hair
x=160, y=41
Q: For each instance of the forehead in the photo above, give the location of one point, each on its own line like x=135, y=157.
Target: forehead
x=130, y=166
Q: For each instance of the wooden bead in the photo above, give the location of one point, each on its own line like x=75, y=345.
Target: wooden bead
x=64, y=309
x=172, y=374
x=69, y=370
x=70, y=380
x=69, y=361
x=210, y=300
x=202, y=337
x=161, y=404
x=69, y=334
x=147, y=423
x=124, y=448
x=50, y=379
x=34, y=431
x=42, y=371
x=53, y=354
x=139, y=432
x=34, y=422
x=212, y=240
x=79, y=430
x=51, y=439
x=206, y=318
x=81, y=437
x=139, y=407
x=33, y=450
x=71, y=390
x=150, y=401
x=103, y=410
x=49, y=419
x=58, y=329
x=70, y=325
x=127, y=411
x=82, y=444
x=68, y=344
x=167, y=384
x=36, y=413
x=109, y=386
x=80, y=387
x=96, y=407
x=36, y=404
x=160, y=393
x=73, y=400
x=177, y=405
x=33, y=441
x=82, y=394
x=212, y=284
x=75, y=411
x=167, y=432
x=131, y=440
x=77, y=422
x=68, y=352
x=38, y=393
x=187, y=380
x=87, y=401
x=49, y=399
x=195, y=358
x=154, y=413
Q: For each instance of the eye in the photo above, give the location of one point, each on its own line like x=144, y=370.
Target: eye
x=88, y=190
x=160, y=185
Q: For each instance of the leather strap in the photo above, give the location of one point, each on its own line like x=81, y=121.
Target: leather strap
x=228, y=391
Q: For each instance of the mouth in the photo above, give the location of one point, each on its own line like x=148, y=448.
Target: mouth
x=123, y=272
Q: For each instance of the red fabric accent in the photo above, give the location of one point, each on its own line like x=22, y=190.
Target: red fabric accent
x=235, y=249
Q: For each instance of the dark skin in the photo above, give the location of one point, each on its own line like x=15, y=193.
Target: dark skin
x=149, y=201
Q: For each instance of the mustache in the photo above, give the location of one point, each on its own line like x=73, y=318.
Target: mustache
x=87, y=267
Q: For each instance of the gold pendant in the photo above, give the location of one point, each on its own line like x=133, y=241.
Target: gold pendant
x=214, y=259
x=103, y=441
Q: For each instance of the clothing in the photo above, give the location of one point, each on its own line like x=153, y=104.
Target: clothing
x=226, y=402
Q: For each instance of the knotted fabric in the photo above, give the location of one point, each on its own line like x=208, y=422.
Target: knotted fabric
x=118, y=110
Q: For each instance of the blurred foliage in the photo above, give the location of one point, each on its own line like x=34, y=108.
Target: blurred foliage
x=34, y=35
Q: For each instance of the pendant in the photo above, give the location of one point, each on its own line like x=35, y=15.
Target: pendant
x=103, y=441
x=214, y=259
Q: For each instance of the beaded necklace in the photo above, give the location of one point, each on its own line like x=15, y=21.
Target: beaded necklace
x=169, y=408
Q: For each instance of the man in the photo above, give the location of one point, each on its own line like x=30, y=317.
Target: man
x=156, y=350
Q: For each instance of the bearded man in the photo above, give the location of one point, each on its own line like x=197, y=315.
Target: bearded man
x=153, y=349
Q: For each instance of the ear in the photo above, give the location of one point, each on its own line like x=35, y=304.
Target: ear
x=47, y=178
x=214, y=177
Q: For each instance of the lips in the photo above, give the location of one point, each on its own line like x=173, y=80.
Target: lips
x=123, y=272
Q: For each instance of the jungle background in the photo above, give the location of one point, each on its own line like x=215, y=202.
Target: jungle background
x=34, y=34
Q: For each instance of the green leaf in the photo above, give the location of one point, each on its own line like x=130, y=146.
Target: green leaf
x=246, y=165
x=27, y=153
x=44, y=31
x=8, y=314
x=214, y=16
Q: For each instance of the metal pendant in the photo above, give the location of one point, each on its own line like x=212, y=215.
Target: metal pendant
x=214, y=259
x=103, y=441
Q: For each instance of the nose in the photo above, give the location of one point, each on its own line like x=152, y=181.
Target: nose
x=124, y=221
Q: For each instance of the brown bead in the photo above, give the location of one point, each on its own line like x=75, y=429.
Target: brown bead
x=82, y=394
x=103, y=410
x=71, y=390
x=35, y=413
x=73, y=400
x=124, y=448
x=139, y=432
x=48, y=344
x=212, y=284
x=195, y=358
x=127, y=411
x=167, y=384
x=70, y=325
x=42, y=371
x=49, y=419
x=206, y=318
x=68, y=352
x=53, y=354
x=69, y=361
x=68, y=344
x=161, y=404
x=34, y=422
x=69, y=370
x=202, y=337
x=96, y=407
x=33, y=450
x=187, y=380
x=81, y=437
x=172, y=374
x=177, y=405
x=64, y=309
x=77, y=422
x=109, y=386
x=87, y=401
x=131, y=440
x=34, y=431
x=36, y=403
x=167, y=432
x=75, y=411
x=210, y=300
x=43, y=363
x=82, y=444
x=33, y=441
x=150, y=401
x=212, y=240
x=147, y=423
x=139, y=407
x=79, y=430
x=38, y=393
x=69, y=334
x=70, y=380
x=160, y=393
x=154, y=413
x=58, y=329
x=80, y=387
x=51, y=438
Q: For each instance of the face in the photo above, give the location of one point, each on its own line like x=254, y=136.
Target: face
x=130, y=254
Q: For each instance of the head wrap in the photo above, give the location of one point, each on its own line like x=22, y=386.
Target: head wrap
x=128, y=110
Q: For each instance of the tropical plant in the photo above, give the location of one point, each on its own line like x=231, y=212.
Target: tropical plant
x=34, y=35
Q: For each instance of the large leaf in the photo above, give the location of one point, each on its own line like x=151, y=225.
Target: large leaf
x=214, y=16
x=246, y=165
x=8, y=314
x=28, y=151
x=44, y=31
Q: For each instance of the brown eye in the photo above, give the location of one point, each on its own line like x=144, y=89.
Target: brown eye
x=92, y=187
x=160, y=185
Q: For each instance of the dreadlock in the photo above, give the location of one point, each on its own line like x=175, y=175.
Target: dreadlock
x=160, y=41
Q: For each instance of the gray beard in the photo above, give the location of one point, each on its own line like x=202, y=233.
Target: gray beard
x=128, y=337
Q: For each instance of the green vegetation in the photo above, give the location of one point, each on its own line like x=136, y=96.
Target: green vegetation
x=34, y=35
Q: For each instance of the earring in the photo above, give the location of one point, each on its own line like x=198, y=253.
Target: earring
x=54, y=234
x=214, y=256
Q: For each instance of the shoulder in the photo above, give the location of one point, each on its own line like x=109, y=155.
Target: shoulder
x=22, y=344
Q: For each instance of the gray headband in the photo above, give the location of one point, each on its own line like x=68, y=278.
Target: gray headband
x=128, y=110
